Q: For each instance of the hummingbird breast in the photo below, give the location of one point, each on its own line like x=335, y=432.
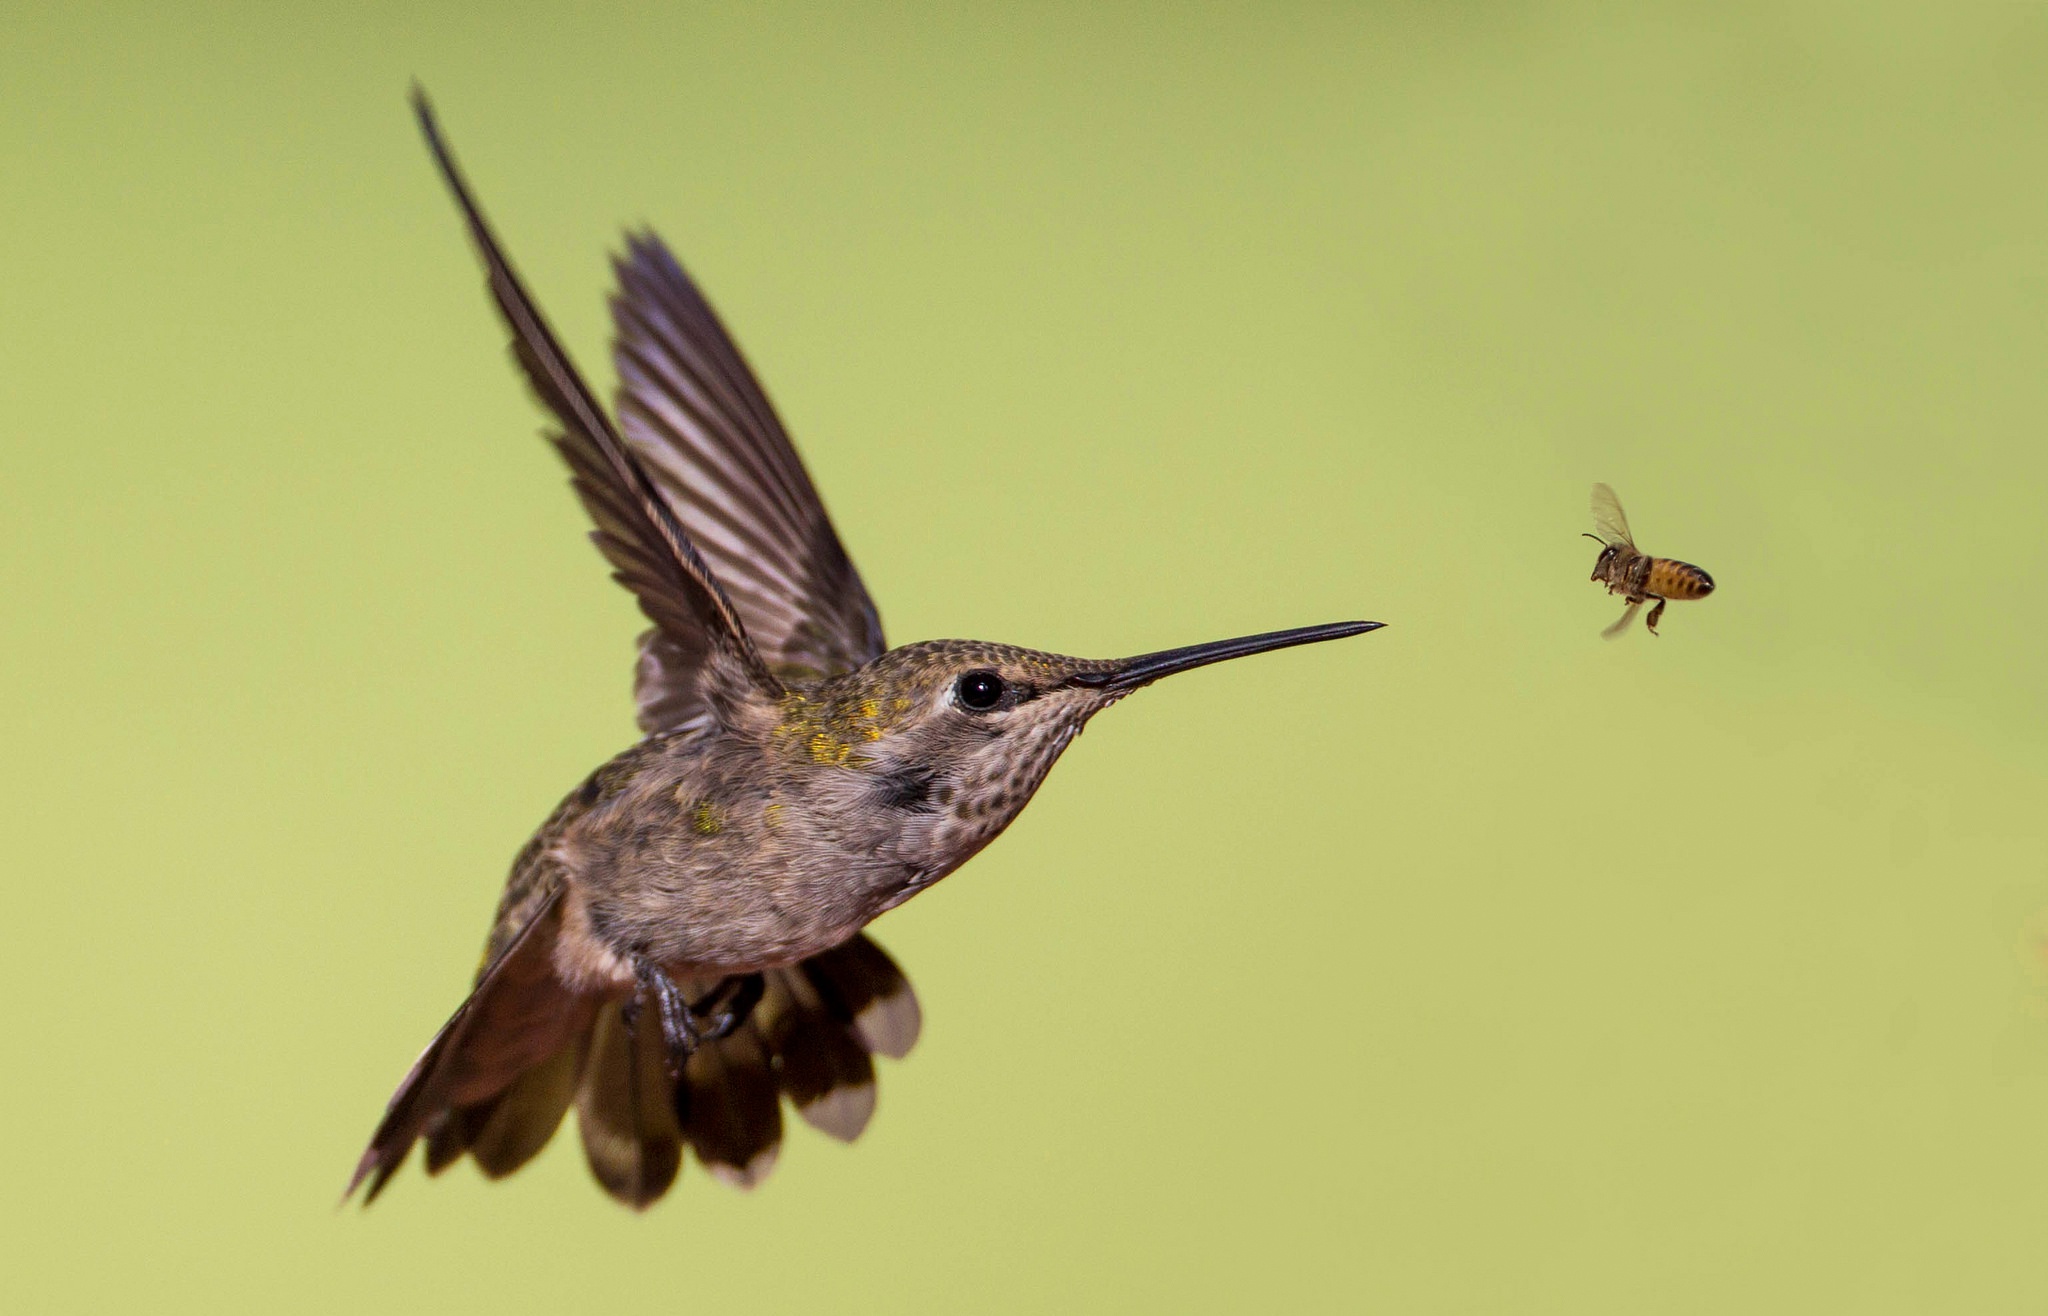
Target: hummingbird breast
x=718, y=852
x=709, y=860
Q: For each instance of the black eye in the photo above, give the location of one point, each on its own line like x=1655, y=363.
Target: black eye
x=979, y=691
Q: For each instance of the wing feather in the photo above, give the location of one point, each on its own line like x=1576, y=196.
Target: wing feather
x=636, y=528
x=690, y=407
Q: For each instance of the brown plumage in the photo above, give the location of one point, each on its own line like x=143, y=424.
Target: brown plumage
x=679, y=949
x=1634, y=574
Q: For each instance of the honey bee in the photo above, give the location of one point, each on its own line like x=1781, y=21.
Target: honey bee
x=1636, y=575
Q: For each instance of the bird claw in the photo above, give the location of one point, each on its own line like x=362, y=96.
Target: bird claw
x=679, y=1035
x=684, y=1027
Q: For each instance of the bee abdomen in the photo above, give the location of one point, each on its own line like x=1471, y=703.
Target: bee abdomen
x=1679, y=580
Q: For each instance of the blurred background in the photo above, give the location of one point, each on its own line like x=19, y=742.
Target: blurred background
x=1477, y=965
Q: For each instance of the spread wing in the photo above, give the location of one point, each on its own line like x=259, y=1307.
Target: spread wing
x=692, y=410
x=637, y=530
x=1628, y=615
x=1608, y=518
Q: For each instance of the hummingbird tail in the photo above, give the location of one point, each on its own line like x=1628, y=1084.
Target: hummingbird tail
x=498, y=1078
x=811, y=1038
x=625, y=1109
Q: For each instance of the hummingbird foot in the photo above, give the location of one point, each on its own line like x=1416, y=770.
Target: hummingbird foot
x=679, y=1034
x=685, y=1027
x=728, y=1006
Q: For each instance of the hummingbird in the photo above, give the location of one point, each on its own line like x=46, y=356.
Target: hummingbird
x=680, y=947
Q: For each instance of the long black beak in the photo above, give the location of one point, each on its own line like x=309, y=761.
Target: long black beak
x=1149, y=667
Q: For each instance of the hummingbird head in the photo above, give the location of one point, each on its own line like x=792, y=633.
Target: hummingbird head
x=954, y=736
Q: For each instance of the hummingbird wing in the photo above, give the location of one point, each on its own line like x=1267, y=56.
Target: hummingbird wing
x=694, y=413
x=637, y=530
x=517, y=1016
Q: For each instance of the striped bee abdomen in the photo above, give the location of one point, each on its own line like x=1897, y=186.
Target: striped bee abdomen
x=1671, y=579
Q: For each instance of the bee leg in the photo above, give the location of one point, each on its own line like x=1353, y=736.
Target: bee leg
x=1656, y=612
x=679, y=1034
x=727, y=1007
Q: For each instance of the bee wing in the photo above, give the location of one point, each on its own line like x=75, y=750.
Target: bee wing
x=1628, y=615
x=1608, y=518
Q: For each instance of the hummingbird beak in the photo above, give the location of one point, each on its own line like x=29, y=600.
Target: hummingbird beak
x=1149, y=667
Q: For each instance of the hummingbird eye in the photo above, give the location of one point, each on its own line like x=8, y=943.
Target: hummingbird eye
x=979, y=691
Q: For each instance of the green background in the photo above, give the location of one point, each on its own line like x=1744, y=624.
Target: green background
x=1478, y=965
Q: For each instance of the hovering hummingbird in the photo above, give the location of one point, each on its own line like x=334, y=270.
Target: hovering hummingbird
x=680, y=945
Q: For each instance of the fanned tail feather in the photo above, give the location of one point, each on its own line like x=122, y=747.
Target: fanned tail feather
x=495, y=1083
x=626, y=1110
x=731, y=1112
